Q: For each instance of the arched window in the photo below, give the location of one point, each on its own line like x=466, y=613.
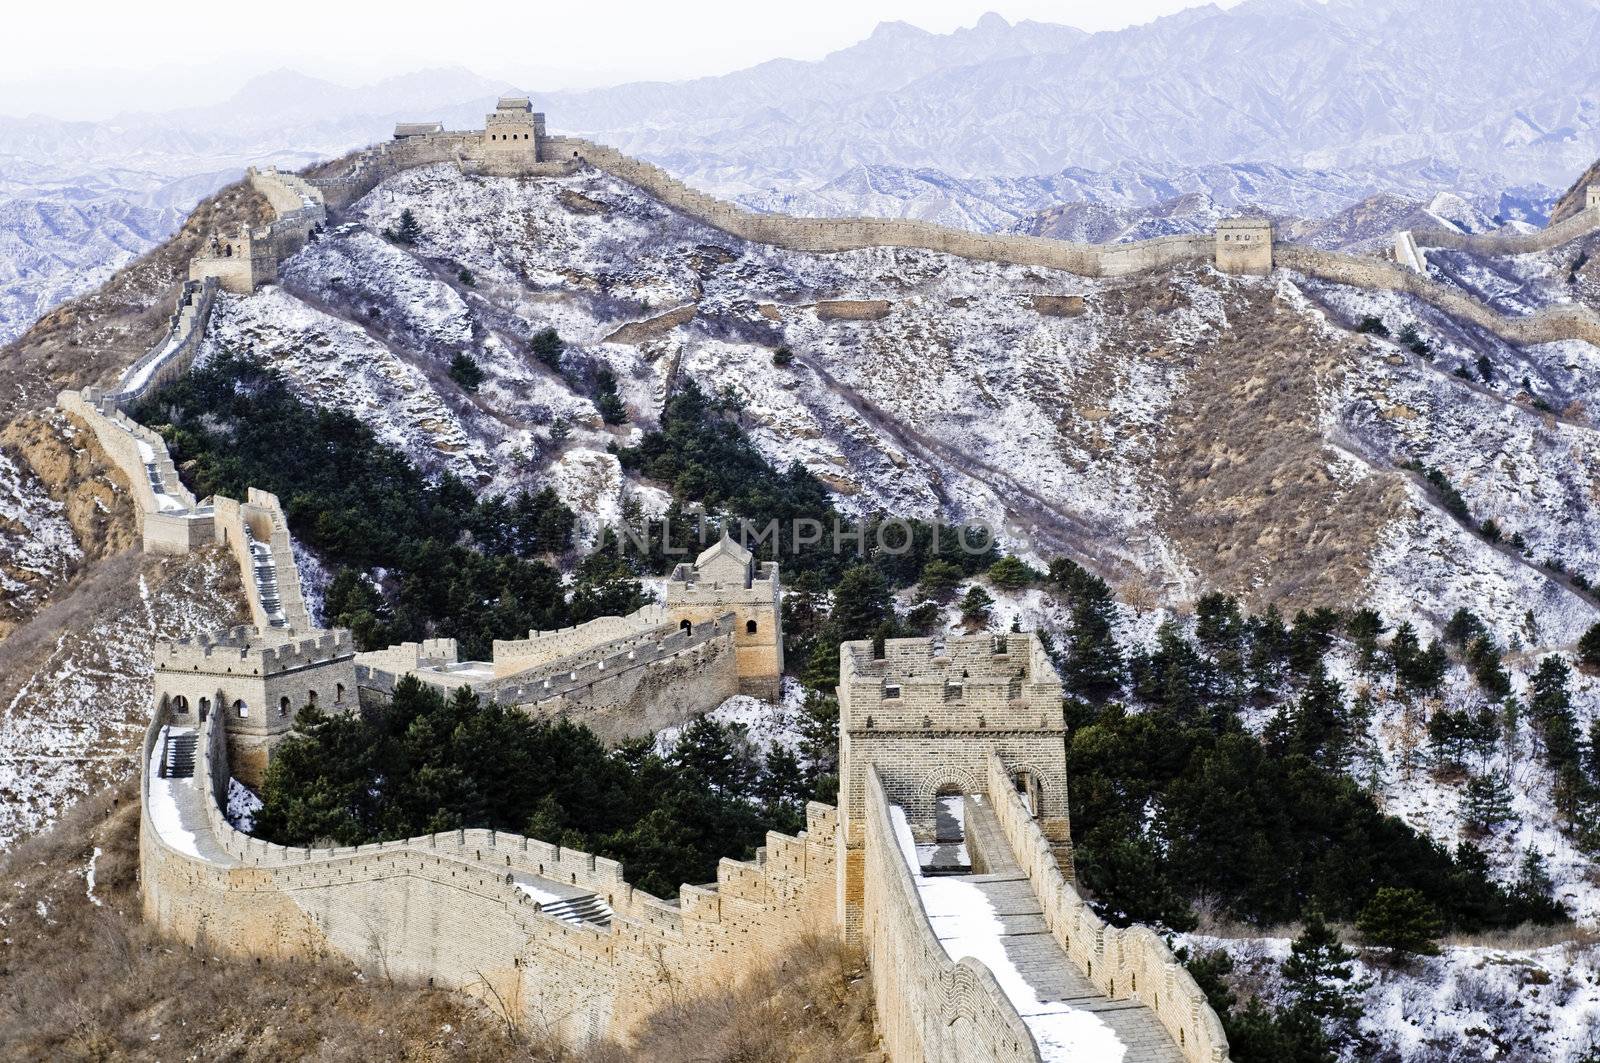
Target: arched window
x=311, y=699
x=240, y=709
x=685, y=626
x=749, y=627
x=338, y=693
x=283, y=706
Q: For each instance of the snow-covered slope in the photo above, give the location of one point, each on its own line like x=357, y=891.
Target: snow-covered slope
x=1182, y=432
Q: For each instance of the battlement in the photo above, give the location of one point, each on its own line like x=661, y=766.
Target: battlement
x=542, y=648
x=982, y=683
x=248, y=650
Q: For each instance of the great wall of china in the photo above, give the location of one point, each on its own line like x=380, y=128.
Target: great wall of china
x=953, y=774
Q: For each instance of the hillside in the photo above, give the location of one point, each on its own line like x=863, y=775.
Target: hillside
x=1179, y=432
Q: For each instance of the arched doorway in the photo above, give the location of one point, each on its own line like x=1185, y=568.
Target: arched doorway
x=241, y=710
x=283, y=705
x=180, y=705
x=686, y=626
x=1027, y=787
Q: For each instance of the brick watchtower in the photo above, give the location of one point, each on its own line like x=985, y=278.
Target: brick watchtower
x=927, y=715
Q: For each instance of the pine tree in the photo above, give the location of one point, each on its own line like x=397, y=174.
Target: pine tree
x=409, y=231
x=819, y=743
x=1534, y=889
x=1010, y=573
x=1486, y=803
x=464, y=370
x=860, y=603
x=1402, y=921
x=938, y=578
x=547, y=346
x=1365, y=627
x=1093, y=666
x=1589, y=647
x=975, y=605
x=606, y=399
x=1318, y=979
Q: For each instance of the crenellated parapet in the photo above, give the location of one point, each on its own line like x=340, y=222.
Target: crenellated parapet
x=1131, y=963
x=558, y=932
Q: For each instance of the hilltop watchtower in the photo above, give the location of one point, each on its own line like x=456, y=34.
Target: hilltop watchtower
x=240, y=262
x=514, y=126
x=1591, y=197
x=1244, y=245
x=928, y=714
x=726, y=578
x=259, y=681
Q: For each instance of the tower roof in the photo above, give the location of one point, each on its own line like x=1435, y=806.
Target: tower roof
x=723, y=547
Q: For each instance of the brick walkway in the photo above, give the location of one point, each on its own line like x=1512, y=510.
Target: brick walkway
x=1031, y=948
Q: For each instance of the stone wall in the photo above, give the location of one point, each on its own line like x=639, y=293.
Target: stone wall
x=543, y=647
x=1570, y=322
x=439, y=908
x=849, y=234
x=635, y=686
x=928, y=1007
x=261, y=517
x=173, y=356
x=1132, y=963
x=1561, y=232
x=174, y=528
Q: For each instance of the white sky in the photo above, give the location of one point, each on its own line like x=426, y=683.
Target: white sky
x=93, y=58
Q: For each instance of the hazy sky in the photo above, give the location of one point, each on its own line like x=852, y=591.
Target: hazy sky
x=93, y=58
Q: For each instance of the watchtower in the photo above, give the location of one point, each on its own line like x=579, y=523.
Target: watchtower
x=1591, y=197
x=1244, y=245
x=928, y=714
x=725, y=579
x=259, y=681
x=240, y=262
x=514, y=126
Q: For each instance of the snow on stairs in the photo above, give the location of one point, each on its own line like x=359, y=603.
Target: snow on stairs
x=177, y=758
x=1036, y=954
x=266, y=576
x=588, y=908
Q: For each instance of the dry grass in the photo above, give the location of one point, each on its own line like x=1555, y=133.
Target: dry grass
x=85, y=982
x=814, y=1005
x=1252, y=502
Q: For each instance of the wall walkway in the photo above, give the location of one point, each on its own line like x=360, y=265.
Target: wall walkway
x=1130, y=963
x=554, y=935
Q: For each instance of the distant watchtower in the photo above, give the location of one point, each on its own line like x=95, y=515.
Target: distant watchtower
x=514, y=126
x=726, y=578
x=1244, y=245
x=927, y=715
x=1591, y=197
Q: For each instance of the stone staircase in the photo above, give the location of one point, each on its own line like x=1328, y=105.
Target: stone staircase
x=1035, y=953
x=266, y=577
x=588, y=908
x=177, y=757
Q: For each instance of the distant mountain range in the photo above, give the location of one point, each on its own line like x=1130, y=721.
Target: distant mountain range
x=1299, y=107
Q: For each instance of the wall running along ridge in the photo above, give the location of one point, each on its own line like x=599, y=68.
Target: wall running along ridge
x=1123, y=963
x=171, y=521
x=445, y=908
x=1571, y=322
